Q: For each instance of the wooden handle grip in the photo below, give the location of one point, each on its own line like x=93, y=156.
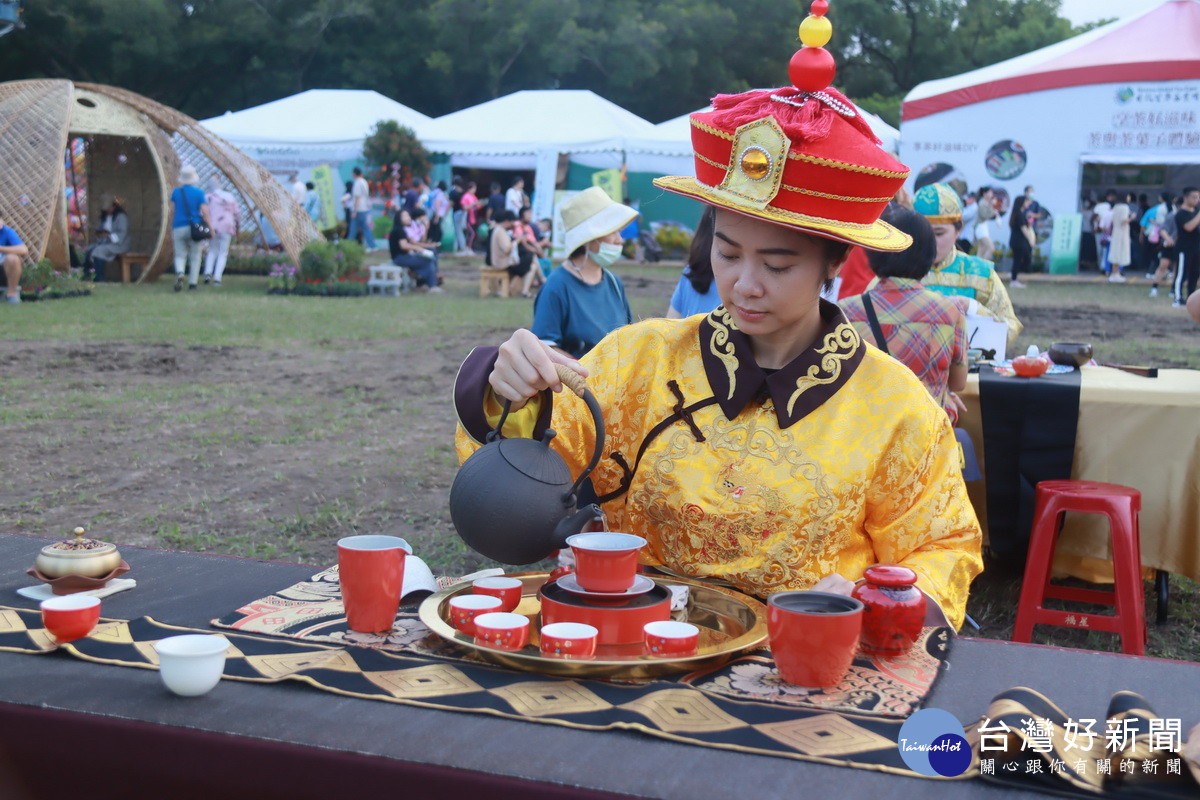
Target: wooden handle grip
x=571, y=379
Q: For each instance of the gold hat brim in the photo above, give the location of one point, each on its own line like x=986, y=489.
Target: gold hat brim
x=878, y=235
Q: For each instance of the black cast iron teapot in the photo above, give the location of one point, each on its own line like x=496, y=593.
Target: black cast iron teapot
x=514, y=501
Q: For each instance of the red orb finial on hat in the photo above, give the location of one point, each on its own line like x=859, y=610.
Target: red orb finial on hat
x=812, y=67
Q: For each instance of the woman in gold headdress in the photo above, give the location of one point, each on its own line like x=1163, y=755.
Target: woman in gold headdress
x=764, y=444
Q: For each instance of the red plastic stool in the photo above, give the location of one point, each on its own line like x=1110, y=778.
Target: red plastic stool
x=1121, y=505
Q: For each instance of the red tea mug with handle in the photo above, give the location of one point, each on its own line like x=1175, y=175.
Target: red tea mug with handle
x=813, y=636
x=371, y=571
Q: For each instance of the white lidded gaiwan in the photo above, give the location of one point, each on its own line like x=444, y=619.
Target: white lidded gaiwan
x=90, y=558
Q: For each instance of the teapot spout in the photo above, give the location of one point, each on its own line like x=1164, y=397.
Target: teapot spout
x=587, y=519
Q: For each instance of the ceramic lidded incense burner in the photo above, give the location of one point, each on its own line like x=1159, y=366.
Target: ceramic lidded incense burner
x=78, y=555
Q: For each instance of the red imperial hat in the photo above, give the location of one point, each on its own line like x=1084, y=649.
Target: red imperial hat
x=800, y=156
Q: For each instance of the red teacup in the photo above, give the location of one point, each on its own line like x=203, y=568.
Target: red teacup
x=371, y=571
x=813, y=635
x=70, y=616
x=569, y=640
x=502, y=630
x=670, y=639
x=605, y=561
x=464, y=608
x=509, y=590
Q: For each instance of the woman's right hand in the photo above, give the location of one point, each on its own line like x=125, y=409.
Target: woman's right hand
x=525, y=366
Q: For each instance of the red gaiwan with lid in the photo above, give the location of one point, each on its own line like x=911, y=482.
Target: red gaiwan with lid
x=895, y=610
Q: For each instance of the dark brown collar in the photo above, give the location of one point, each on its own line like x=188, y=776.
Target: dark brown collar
x=797, y=389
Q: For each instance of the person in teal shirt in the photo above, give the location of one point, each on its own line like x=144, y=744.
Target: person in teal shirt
x=582, y=300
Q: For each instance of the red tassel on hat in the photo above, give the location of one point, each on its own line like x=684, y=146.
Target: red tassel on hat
x=812, y=121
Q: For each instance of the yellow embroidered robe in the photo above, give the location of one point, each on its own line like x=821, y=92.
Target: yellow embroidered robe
x=836, y=462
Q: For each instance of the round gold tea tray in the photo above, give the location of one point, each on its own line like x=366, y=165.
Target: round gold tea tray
x=729, y=622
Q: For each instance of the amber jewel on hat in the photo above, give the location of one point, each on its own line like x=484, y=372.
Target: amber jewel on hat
x=799, y=156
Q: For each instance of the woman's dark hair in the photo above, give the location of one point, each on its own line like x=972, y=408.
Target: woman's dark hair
x=916, y=261
x=418, y=212
x=1016, y=220
x=699, y=262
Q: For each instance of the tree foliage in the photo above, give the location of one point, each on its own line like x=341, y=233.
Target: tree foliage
x=658, y=58
x=392, y=146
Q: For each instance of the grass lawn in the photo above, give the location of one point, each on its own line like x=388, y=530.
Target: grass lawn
x=227, y=420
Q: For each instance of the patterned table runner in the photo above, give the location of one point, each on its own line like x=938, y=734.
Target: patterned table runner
x=312, y=610
x=718, y=709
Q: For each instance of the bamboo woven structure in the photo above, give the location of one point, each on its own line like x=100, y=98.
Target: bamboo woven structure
x=135, y=148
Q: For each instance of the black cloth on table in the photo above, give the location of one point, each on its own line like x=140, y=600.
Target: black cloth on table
x=1029, y=427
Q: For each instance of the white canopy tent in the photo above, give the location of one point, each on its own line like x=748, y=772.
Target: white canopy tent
x=305, y=130
x=509, y=132
x=1126, y=93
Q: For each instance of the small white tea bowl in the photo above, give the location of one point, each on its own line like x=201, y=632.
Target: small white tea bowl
x=191, y=665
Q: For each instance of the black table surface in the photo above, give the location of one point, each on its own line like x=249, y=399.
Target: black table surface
x=326, y=741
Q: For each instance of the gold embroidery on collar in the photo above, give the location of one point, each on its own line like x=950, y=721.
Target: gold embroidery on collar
x=721, y=346
x=839, y=346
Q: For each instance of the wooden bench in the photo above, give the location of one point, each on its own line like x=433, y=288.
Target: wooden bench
x=127, y=261
x=494, y=281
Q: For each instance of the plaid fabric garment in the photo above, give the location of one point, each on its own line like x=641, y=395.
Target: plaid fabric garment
x=924, y=330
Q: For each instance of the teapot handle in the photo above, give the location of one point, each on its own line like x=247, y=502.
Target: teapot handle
x=577, y=384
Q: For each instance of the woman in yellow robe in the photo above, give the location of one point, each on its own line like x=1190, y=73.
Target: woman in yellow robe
x=764, y=444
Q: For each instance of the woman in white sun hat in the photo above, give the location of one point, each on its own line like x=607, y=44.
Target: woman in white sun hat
x=582, y=301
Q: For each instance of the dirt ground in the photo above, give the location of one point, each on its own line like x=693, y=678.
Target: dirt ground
x=272, y=454
x=247, y=451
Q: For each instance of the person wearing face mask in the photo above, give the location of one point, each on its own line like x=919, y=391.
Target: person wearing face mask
x=582, y=300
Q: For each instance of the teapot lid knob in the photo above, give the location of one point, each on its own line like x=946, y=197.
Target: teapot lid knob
x=79, y=532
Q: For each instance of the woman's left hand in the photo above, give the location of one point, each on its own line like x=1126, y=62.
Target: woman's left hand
x=834, y=584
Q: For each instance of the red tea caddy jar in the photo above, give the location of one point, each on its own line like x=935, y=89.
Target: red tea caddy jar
x=895, y=610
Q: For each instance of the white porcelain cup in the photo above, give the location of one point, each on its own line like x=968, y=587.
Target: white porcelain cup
x=191, y=665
